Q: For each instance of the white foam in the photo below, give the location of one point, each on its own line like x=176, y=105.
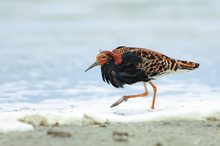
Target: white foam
x=9, y=122
x=203, y=102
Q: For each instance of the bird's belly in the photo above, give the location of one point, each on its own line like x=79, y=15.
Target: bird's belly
x=167, y=72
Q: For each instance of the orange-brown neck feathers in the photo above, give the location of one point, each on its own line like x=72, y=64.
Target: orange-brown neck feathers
x=109, y=55
x=116, y=56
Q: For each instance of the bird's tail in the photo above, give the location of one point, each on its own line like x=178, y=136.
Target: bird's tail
x=186, y=65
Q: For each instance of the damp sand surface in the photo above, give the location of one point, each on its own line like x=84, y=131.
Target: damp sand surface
x=172, y=133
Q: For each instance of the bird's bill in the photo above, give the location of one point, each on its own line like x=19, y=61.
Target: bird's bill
x=93, y=65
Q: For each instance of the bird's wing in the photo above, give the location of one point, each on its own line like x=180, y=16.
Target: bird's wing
x=128, y=68
x=130, y=59
x=153, y=63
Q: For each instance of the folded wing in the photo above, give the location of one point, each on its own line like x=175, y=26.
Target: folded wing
x=124, y=73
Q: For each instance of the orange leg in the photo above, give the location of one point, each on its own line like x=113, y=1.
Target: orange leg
x=154, y=96
x=125, y=98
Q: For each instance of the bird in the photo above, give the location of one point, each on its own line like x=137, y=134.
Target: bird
x=129, y=65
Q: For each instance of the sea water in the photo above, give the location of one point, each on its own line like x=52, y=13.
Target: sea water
x=45, y=46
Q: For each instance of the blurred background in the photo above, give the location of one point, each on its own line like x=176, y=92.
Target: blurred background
x=45, y=45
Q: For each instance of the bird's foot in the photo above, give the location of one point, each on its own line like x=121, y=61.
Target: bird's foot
x=150, y=110
x=119, y=101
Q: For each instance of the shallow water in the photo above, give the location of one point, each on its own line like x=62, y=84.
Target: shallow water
x=46, y=46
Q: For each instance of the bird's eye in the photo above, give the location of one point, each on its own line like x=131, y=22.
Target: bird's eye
x=103, y=57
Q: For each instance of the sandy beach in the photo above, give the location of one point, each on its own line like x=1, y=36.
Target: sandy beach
x=164, y=133
x=46, y=98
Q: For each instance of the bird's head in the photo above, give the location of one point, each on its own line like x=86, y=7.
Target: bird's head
x=104, y=57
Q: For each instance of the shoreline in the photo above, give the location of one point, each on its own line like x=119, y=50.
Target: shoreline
x=27, y=120
x=172, y=133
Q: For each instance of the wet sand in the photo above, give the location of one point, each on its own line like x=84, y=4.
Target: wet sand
x=166, y=133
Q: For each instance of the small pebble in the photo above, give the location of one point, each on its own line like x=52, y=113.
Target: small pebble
x=120, y=136
x=158, y=144
x=212, y=119
x=102, y=125
x=61, y=134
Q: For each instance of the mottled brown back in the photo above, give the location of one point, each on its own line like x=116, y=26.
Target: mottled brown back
x=155, y=63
